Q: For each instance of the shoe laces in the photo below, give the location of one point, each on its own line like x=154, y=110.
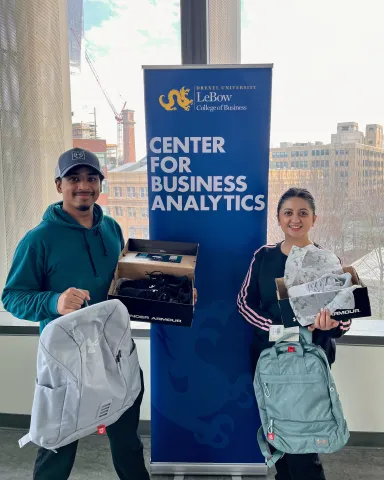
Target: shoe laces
x=320, y=284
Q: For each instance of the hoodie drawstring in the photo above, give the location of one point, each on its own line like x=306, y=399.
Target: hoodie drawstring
x=102, y=241
x=87, y=246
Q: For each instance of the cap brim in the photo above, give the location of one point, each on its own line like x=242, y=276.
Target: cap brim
x=67, y=170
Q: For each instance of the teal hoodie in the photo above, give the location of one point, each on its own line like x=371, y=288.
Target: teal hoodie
x=56, y=255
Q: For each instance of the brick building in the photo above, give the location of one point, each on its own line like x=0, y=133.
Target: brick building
x=128, y=198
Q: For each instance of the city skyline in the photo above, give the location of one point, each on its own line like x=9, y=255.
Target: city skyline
x=319, y=79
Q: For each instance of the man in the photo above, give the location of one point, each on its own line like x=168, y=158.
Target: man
x=70, y=258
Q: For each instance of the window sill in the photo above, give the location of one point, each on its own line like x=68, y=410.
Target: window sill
x=22, y=331
x=347, y=340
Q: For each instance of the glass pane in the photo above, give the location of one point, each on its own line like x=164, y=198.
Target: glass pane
x=109, y=41
x=107, y=92
x=317, y=65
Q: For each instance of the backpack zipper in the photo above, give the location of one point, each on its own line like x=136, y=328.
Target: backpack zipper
x=118, y=350
x=270, y=432
x=266, y=390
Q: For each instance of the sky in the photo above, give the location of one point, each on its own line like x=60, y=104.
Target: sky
x=121, y=36
x=327, y=56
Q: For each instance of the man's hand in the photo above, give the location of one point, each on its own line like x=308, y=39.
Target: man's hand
x=323, y=321
x=72, y=300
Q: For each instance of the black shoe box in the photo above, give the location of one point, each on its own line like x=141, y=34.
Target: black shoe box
x=362, y=303
x=140, y=257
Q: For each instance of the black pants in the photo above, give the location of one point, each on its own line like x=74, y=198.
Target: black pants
x=299, y=467
x=290, y=467
x=126, y=449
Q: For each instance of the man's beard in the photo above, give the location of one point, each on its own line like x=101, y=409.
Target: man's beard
x=83, y=208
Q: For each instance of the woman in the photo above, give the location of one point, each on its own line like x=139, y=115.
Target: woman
x=258, y=304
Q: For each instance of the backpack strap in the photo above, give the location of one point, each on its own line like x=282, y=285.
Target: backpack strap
x=305, y=337
x=269, y=457
x=306, y=334
x=25, y=440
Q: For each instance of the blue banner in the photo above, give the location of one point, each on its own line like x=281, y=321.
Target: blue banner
x=208, y=158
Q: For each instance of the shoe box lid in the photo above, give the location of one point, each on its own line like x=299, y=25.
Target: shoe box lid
x=362, y=304
x=140, y=257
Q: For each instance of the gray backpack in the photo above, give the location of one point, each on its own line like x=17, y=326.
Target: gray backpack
x=88, y=375
x=298, y=402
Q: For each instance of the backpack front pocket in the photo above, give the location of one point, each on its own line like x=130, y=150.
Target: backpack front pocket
x=302, y=437
x=308, y=397
x=47, y=412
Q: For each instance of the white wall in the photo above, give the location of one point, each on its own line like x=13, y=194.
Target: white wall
x=358, y=372
x=358, y=375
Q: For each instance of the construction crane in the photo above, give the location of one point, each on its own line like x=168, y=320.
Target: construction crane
x=118, y=116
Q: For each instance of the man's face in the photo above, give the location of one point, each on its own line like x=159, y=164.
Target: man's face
x=80, y=188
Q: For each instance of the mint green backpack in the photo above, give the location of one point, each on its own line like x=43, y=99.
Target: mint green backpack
x=298, y=402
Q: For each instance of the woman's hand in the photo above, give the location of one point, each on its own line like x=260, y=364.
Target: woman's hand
x=323, y=321
x=194, y=296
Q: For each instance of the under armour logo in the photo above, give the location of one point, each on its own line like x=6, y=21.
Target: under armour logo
x=91, y=345
x=78, y=155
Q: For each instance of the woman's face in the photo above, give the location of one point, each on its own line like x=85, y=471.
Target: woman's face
x=296, y=218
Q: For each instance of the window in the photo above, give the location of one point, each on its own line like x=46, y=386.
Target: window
x=150, y=31
x=144, y=212
x=104, y=187
x=131, y=192
x=312, y=113
x=132, y=232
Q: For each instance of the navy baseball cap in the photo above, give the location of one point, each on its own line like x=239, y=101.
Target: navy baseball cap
x=77, y=157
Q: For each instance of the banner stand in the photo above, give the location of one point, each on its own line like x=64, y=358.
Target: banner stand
x=208, y=130
x=211, y=469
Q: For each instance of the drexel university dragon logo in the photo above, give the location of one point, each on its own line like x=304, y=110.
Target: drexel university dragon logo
x=179, y=96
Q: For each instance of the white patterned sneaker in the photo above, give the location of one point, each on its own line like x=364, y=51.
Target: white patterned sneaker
x=327, y=283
